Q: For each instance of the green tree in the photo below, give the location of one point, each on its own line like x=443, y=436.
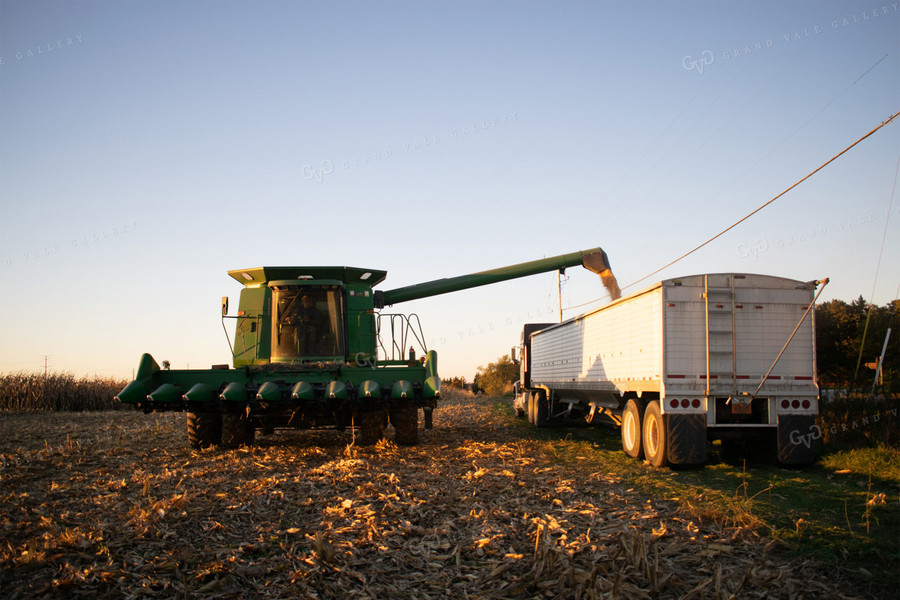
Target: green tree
x=839, y=335
x=497, y=378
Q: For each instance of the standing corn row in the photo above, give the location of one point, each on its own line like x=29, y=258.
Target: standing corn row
x=56, y=392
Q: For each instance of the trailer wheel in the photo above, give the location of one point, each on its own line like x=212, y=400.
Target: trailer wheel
x=529, y=406
x=406, y=425
x=541, y=409
x=204, y=429
x=654, y=434
x=631, y=429
x=237, y=430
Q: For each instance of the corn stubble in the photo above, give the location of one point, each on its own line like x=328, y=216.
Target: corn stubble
x=113, y=505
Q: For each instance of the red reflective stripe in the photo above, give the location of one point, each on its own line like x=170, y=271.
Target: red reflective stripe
x=674, y=376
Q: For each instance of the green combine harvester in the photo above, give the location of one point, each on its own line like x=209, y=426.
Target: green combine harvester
x=314, y=349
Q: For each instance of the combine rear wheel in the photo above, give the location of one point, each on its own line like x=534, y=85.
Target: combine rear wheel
x=204, y=429
x=406, y=425
x=237, y=430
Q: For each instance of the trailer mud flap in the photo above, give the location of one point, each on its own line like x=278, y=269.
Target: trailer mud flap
x=686, y=439
x=796, y=443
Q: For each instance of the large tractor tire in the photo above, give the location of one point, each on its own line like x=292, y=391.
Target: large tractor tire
x=406, y=425
x=631, y=429
x=369, y=427
x=204, y=429
x=654, y=435
x=237, y=430
x=541, y=409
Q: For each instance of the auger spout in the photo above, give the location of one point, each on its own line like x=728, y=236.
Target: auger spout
x=594, y=260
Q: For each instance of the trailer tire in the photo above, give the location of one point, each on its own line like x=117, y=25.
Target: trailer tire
x=541, y=409
x=237, y=430
x=654, y=435
x=686, y=439
x=529, y=406
x=204, y=429
x=406, y=425
x=631, y=429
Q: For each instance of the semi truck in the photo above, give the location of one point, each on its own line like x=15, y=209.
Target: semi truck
x=315, y=347
x=688, y=360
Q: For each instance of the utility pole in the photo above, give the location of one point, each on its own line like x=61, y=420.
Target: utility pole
x=46, y=357
x=879, y=373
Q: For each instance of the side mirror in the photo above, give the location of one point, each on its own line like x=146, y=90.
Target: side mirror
x=224, y=305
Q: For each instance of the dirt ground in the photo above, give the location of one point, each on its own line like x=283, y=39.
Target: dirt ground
x=115, y=505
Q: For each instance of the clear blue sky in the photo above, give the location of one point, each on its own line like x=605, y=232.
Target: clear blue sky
x=148, y=147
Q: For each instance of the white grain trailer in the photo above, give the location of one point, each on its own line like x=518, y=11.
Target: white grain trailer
x=688, y=360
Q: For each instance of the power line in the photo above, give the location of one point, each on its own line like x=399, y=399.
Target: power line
x=738, y=222
x=699, y=117
x=744, y=218
x=887, y=220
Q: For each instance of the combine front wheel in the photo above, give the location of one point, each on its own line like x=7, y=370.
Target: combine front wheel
x=237, y=430
x=370, y=427
x=406, y=425
x=204, y=429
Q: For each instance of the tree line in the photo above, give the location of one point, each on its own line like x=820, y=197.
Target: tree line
x=843, y=329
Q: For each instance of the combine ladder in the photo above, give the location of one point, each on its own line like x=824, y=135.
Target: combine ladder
x=721, y=361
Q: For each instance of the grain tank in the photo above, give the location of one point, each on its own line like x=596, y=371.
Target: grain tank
x=314, y=347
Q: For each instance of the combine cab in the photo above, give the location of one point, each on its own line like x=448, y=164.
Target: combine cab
x=313, y=348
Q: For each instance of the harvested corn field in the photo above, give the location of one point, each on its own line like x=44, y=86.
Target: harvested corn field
x=114, y=505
